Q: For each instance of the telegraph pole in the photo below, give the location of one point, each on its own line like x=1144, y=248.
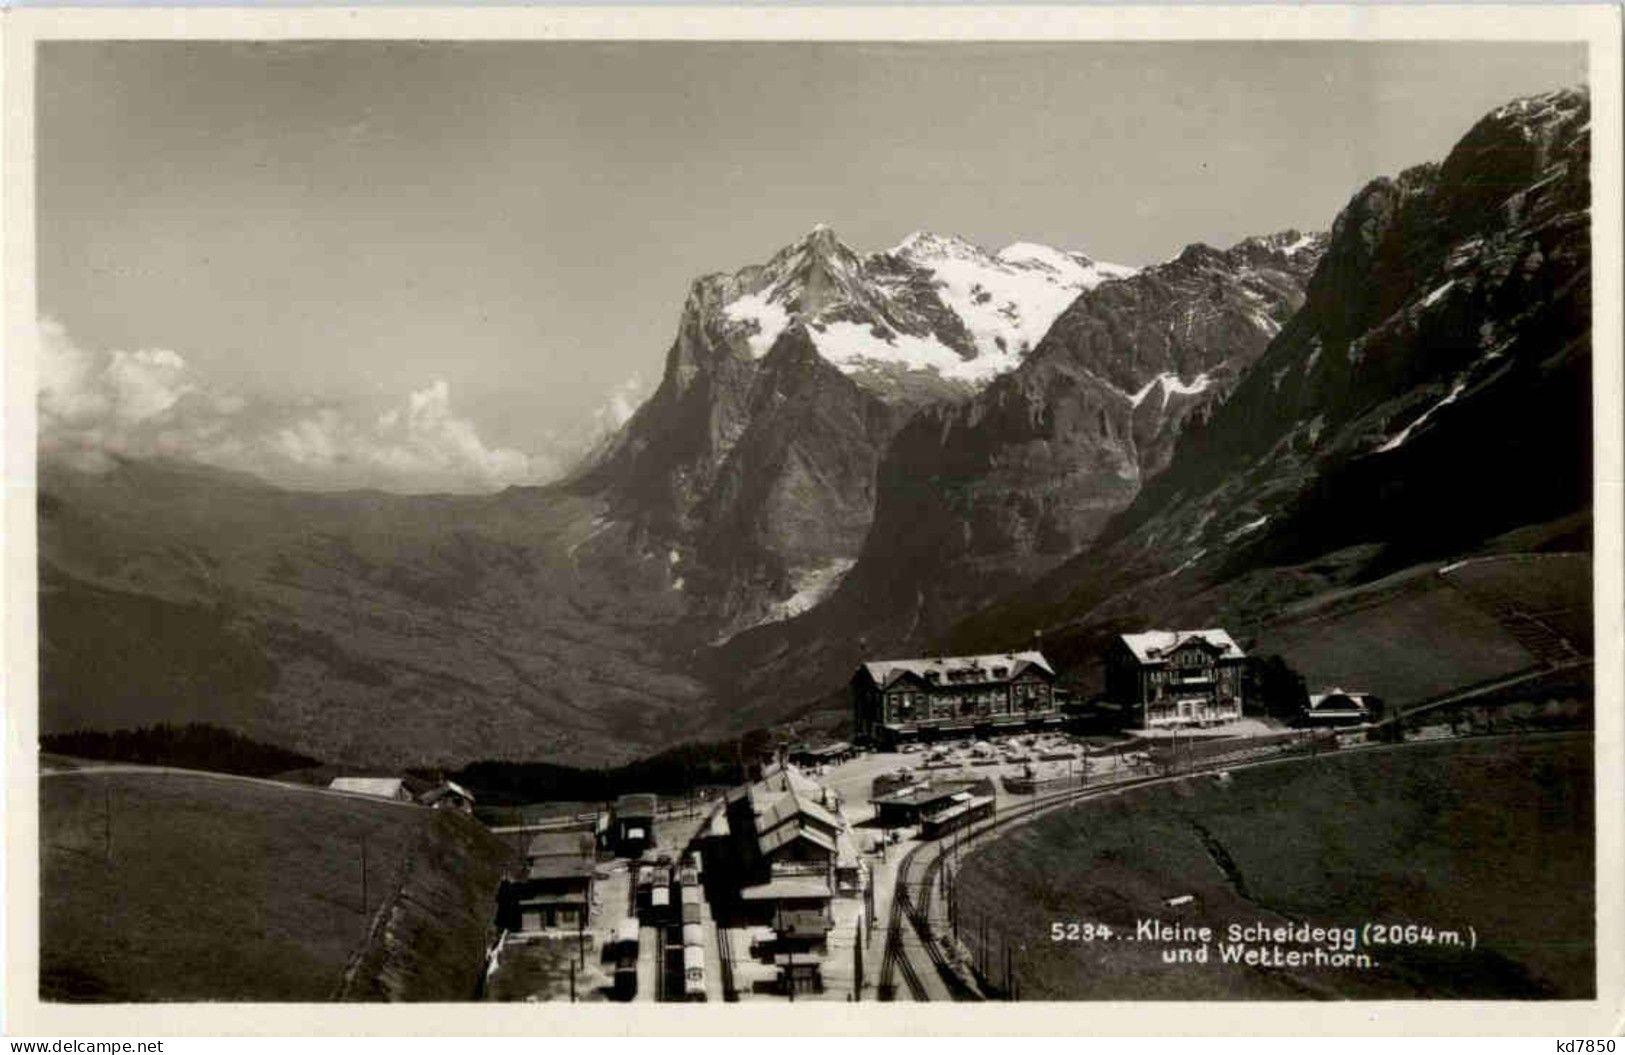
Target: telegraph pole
x=857, y=962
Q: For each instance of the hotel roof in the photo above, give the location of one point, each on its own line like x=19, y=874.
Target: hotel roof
x=995, y=668
x=1152, y=646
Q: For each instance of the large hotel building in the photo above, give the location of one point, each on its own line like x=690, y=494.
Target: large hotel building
x=1168, y=678
x=895, y=700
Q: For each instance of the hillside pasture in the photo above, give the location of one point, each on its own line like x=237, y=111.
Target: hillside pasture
x=1495, y=835
x=1554, y=588
x=1405, y=638
x=166, y=885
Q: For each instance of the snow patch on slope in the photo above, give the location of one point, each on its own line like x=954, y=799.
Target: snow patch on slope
x=1437, y=294
x=768, y=317
x=1171, y=384
x=1008, y=300
x=853, y=347
x=1404, y=434
x=812, y=587
x=1304, y=242
x=1246, y=529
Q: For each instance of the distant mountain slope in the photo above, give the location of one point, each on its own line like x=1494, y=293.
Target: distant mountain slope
x=1433, y=392
x=358, y=627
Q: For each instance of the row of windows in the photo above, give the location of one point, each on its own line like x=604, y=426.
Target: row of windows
x=1188, y=709
x=912, y=706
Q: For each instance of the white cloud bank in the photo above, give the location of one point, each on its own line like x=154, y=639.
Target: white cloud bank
x=148, y=403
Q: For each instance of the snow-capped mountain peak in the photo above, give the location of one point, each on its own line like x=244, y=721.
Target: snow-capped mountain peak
x=935, y=305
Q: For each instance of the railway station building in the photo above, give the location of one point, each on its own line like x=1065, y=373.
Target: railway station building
x=555, y=890
x=907, y=806
x=776, y=845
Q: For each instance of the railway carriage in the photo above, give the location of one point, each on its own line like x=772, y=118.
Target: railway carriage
x=961, y=814
x=694, y=971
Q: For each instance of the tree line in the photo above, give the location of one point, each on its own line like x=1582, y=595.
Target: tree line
x=196, y=745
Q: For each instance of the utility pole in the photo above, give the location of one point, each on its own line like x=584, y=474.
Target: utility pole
x=857, y=962
x=363, y=874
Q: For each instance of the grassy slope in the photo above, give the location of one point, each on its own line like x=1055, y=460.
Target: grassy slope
x=1495, y=834
x=229, y=889
x=1407, y=636
x=1420, y=633
x=430, y=941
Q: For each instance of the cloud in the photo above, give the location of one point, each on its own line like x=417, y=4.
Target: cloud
x=149, y=403
x=622, y=403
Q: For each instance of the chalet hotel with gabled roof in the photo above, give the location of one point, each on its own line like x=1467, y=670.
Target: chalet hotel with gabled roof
x=906, y=699
x=1166, y=678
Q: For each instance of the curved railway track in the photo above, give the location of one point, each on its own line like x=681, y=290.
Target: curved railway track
x=920, y=869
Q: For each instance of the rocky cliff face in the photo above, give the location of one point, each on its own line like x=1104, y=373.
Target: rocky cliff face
x=1026, y=472
x=754, y=462
x=976, y=497
x=1434, y=390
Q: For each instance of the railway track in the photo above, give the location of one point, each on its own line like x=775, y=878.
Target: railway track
x=896, y=959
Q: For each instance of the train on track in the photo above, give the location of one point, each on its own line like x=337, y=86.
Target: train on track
x=966, y=810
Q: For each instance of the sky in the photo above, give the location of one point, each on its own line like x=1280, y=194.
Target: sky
x=451, y=266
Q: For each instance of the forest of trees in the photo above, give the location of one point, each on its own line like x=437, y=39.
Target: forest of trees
x=196, y=745
x=673, y=771
x=1271, y=687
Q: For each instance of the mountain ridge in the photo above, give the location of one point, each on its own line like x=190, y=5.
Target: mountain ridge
x=1374, y=432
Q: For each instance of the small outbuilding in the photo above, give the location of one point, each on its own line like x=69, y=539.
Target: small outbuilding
x=393, y=788
x=1340, y=707
x=555, y=891
x=825, y=755
x=910, y=805
x=448, y=796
